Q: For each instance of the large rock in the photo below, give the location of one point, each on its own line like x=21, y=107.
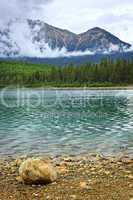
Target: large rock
x=37, y=171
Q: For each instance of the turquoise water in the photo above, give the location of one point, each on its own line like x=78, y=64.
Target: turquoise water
x=36, y=121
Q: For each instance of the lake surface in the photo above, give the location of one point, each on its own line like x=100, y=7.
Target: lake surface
x=36, y=121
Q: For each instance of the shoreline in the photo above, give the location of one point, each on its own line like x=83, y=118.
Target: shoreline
x=70, y=88
x=118, y=155
x=88, y=176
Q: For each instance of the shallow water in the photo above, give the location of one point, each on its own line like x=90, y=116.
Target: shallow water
x=36, y=121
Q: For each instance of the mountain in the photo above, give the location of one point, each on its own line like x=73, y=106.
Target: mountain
x=34, y=38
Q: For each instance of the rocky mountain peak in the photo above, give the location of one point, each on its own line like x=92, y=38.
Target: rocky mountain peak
x=37, y=38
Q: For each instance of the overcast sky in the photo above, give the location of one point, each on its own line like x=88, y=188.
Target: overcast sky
x=78, y=16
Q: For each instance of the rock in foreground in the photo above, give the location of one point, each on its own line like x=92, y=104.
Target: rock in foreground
x=37, y=171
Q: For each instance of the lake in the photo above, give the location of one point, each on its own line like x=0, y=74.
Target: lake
x=37, y=121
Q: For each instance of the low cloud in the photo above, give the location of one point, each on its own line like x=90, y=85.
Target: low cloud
x=22, y=40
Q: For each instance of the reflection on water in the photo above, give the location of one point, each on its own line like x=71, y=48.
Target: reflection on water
x=66, y=121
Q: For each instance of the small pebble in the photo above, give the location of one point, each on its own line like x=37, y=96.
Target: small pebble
x=73, y=196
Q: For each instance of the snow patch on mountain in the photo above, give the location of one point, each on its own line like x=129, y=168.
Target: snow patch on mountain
x=130, y=49
x=113, y=47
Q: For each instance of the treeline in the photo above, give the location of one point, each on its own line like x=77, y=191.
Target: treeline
x=107, y=72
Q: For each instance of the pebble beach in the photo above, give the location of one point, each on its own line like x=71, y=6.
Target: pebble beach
x=88, y=177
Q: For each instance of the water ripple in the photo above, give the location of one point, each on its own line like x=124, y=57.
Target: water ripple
x=80, y=121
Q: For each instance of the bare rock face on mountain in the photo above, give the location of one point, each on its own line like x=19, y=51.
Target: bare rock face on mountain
x=99, y=40
x=36, y=38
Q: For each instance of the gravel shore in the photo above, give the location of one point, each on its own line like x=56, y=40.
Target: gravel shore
x=86, y=177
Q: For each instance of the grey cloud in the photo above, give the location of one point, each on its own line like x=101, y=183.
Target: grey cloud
x=20, y=8
x=111, y=18
x=109, y=3
x=34, y=2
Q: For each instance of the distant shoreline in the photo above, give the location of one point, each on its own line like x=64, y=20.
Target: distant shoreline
x=69, y=88
x=104, y=75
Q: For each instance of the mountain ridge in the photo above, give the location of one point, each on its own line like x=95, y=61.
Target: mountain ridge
x=37, y=38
